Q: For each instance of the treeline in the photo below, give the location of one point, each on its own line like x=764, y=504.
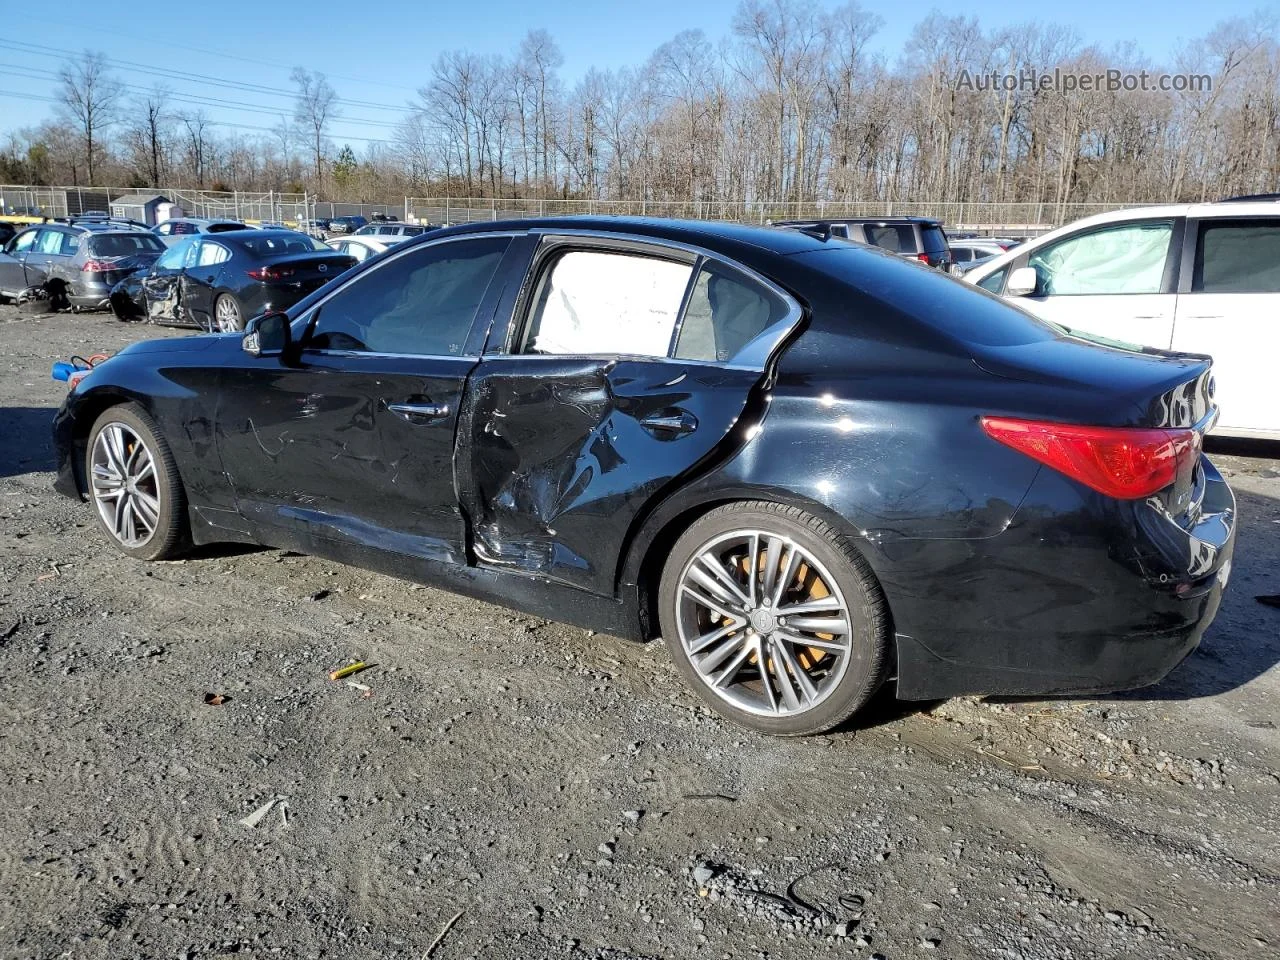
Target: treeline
x=792, y=104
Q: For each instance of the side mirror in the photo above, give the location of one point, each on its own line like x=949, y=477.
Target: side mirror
x=1022, y=282
x=267, y=335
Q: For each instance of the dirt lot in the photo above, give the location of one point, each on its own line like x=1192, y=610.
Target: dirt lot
x=563, y=791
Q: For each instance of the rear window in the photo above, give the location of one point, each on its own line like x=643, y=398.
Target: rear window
x=1238, y=257
x=935, y=241
x=224, y=227
x=894, y=237
x=124, y=244
x=952, y=307
x=280, y=244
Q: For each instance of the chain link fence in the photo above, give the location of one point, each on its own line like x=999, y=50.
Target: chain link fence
x=982, y=217
x=270, y=206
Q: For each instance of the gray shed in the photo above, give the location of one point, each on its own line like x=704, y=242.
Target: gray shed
x=138, y=206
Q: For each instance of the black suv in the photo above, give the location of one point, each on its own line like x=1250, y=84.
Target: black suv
x=346, y=224
x=918, y=238
x=87, y=257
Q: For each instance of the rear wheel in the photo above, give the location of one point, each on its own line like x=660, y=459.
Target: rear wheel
x=774, y=618
x=226, y=314
x=134, y=485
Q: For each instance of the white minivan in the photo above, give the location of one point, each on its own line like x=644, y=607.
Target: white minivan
x=1198, y=278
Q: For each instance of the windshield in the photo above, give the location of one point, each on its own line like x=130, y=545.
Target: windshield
x=124, y=244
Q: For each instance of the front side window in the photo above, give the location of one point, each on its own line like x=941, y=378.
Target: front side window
x=1240, y=256
x=173, y=258
x=164, y=229
x=26, y=241
x=994, y=281
x=422, y=303
x=1128, y=258
x=726, y=311
x=592, y=302
x=184, y=228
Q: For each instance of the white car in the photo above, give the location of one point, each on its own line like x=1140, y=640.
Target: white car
x=1196, y=278
x=362, y=248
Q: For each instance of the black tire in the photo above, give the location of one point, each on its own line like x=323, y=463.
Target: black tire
x=171, y=534
x=868, y=613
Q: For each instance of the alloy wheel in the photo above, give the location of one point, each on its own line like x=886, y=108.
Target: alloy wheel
x=124, y=483
x=227, y=315
x=763, y=623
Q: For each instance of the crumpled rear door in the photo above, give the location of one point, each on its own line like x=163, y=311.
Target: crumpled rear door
x=566, y=453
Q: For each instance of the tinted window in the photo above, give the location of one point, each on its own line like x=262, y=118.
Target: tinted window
x=897, y=238
x=1241, y=256
x=932, y=298
x=995, y=281
x=224, y=227
x=590, y=302
x=412, y=231
x=184, y=228
x=124, y=244
x=726, y=310
x=935, y=241
x=1128, y=258
x=164, y=229
x=70, y=244
x=422, y=303
x=280, y=244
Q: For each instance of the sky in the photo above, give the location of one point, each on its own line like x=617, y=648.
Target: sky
x=378, y=61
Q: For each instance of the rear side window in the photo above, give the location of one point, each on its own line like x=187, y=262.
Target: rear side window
x=124, y=244
x=212, y=254
x=592, y=302
x=726, y=311
x=896, y=238
x=1240, y=256
x=421, y=304
x=50, y=242
x=224, y=227
x=276, y=245
x=935, y=241
x=182, y=227
x=70, y=244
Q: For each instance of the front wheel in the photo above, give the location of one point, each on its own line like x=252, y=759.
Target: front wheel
x=226, y=314
x=134, y=484
x=774, y=618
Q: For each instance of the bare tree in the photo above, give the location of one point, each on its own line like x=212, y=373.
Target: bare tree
x=197, y=125
x=314, y=108
x=89, y=95
x=147, y=136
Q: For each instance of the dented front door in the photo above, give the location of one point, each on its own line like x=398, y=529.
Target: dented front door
x=566, y=453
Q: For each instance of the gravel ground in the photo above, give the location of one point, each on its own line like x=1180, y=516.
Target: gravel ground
x=560, y=793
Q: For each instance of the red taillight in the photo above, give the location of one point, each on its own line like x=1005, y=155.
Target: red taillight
x=922, y=257
x=1127, y=463
x=270, y=273
x=96, y=266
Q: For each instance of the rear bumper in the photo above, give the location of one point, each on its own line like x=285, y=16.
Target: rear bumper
x=1081, y=595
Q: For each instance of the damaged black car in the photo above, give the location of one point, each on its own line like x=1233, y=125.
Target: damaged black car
x=810, y=467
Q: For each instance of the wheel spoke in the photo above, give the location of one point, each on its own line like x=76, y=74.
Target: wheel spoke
x=708, y=640
x=712, y=605
x=828, y=646
x=731, y=671
x=772, y=554
x=819, y=624
x=713, y=585
x=763, y=660
x=753, y=564
x=724, y=577
x=784, y=681
x=808, y=692
x=147, y=509
x=788, y=572
x=708, y=664
x=819, y=605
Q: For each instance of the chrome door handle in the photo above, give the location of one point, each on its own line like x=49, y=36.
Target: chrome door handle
x=672, y=423
x=420, y=412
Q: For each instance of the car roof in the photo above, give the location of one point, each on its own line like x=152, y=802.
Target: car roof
x=716, y=234
x=871, y=220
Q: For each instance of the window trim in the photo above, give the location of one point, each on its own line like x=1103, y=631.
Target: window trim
x=755, y=354
x=302, y=324
x=202, y=243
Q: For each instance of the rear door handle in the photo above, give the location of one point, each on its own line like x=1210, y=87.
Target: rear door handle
x=671, y=423
x=420, y=412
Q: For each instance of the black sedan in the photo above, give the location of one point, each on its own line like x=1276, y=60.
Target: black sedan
x=217, y=281
x=808, y=465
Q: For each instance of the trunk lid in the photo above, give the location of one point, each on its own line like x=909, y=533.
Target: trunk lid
x=302, y=271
